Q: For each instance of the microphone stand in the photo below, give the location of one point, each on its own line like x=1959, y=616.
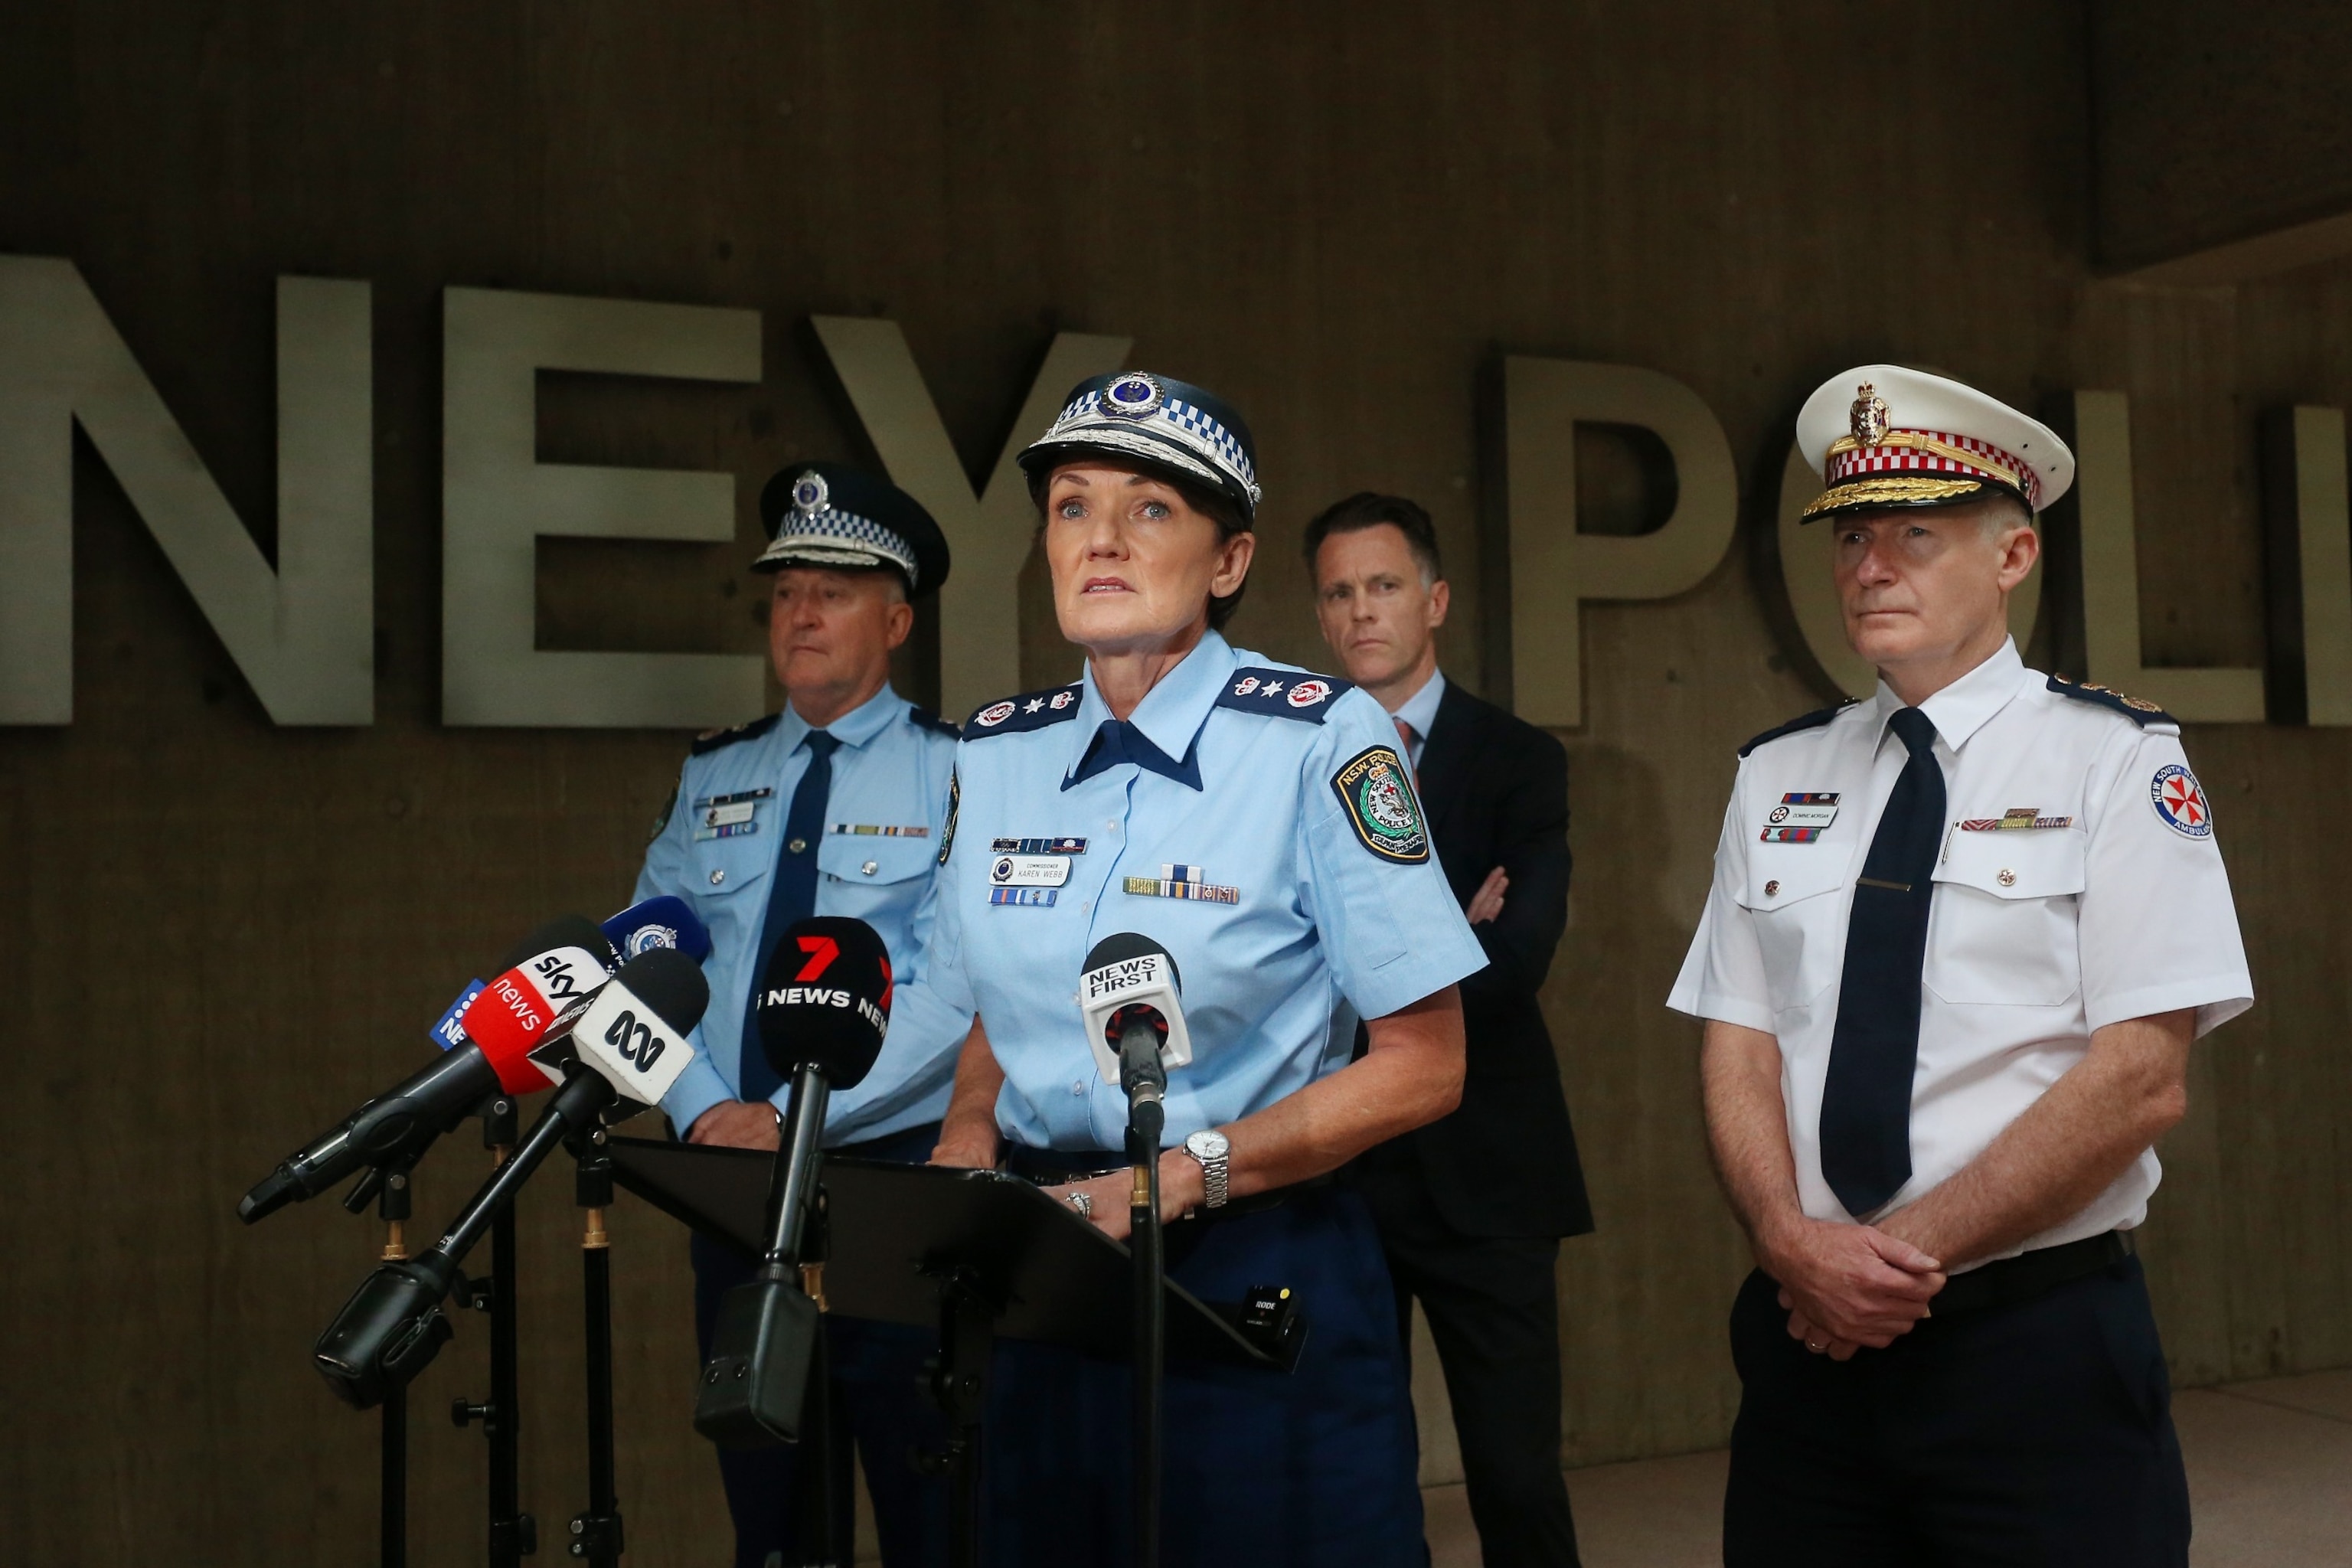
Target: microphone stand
x=1145, y=1082
x=596, y=1532
x=392, y=1203
x=514, y=1534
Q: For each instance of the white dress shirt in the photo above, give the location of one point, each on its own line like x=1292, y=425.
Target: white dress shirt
x=1419, y=712
x=2078, y=885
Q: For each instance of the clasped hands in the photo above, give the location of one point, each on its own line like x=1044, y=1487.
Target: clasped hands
x=1847, y=1286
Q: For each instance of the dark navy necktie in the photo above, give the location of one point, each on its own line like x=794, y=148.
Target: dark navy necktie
x=791, y=896
x=1866, y=1101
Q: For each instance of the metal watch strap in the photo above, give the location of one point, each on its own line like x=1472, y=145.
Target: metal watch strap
x=1213, y=1177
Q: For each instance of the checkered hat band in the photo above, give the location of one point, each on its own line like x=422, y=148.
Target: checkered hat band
x=1887, y=458
x=839, y=537
x=1173, y=419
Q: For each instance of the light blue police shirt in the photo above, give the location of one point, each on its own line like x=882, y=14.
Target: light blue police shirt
x=886, y=814
x=1288, y=869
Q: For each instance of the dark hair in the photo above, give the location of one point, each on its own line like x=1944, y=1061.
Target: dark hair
x=1370, y=509
x=1209, y=503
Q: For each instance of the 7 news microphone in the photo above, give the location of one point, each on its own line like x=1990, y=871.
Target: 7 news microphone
x=1130, y=995
x=629, y=1043
x=487, y=1038
x=824, y=1008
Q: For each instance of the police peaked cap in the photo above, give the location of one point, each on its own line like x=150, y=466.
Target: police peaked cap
x=1887, y=436
x=829, y=514
x=1171, y=428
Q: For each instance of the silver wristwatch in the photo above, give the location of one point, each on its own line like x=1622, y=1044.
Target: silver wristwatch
x=1212, y=1150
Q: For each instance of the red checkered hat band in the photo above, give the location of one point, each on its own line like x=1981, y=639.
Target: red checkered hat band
x=1918, y=452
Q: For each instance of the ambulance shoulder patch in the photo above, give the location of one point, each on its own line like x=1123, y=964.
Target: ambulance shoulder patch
x=1375, y=788
x=2146, y=715
x=713, y=740
x=1812, y=721
x=1030, y=710
x=1282, y=693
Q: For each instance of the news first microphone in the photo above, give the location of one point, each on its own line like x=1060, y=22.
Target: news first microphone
x=552, y=970
x=630, y=1042
x=1130, y=995
x=825, y=1005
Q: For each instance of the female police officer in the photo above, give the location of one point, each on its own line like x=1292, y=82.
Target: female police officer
x=1257, y=821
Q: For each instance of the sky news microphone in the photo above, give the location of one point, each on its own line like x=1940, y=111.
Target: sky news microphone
x=824, y=1008
x=554, y=969
x=1130, y=993
x=630, y=1037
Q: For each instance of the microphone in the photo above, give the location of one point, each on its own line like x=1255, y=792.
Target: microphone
x=552, y=970
x=824, y=1008
x=659, y=921
x=631, y=1035
x=1135, y=1023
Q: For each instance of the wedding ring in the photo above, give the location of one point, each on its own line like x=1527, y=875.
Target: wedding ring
x=1816, y=1346
x=1085, y=1204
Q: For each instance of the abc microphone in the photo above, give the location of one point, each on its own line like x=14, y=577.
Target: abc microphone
x=629, y=1041
x=552, y=970
x=825, y=1005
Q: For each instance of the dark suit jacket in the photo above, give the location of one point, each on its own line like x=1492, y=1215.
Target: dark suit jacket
x=1504, y=1163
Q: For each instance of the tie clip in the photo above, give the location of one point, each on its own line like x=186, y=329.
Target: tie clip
x=1890, y=887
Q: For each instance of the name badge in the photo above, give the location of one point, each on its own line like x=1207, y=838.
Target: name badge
x=1801, y=817
x=728, y=815
x=1028, y=871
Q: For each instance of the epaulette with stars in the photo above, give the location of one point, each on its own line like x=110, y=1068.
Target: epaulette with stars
x=2146, y=715
x=712, y=740
x=1282, y=693
x=1030, y=710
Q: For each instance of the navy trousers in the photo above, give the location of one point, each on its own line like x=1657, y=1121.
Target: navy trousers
x=1315, y=1469
x=2033, y=1436
x=879, y=1384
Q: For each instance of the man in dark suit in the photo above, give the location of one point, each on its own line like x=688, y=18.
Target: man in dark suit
x=1471, y=1209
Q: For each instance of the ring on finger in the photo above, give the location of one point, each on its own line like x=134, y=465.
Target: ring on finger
x=1085, y=1204
x=1816, y=1346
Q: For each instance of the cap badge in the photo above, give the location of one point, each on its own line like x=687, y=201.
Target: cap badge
x=810, y=492
x=1869, y=418
x=1132, y=395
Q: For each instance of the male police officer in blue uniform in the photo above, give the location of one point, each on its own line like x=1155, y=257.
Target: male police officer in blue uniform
x=837, y=805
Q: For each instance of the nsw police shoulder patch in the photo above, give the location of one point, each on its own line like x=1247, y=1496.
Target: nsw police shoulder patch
x=1376, y=789
x=955, y=804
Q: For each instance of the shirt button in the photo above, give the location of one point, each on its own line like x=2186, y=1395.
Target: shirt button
x=870, y=867
x=1770, y=889
x=797, y=845
x=718, y=875
x=1078, y=1087
x=2007, y=878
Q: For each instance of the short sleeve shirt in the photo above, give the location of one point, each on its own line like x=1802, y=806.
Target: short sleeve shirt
x=2078, y=884
x=886, y=812
x=1288, y=869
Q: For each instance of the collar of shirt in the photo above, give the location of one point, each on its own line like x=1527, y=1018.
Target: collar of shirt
x=1419, y=712
x=854, y=728
x=1961, y=710
x=1171, y=714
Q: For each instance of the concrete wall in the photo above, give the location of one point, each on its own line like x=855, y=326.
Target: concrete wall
x=223, y=933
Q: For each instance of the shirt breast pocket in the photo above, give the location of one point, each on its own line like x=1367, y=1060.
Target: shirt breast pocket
x=2004, y=926
x=1794, y=895
x=866, y=872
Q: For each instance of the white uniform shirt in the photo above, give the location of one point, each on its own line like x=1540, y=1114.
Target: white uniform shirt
x=2112, y=904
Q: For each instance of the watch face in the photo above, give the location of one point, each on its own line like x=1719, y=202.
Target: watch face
x=1208, y=1145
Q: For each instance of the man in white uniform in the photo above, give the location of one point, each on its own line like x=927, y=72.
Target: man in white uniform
x=1959, y=939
